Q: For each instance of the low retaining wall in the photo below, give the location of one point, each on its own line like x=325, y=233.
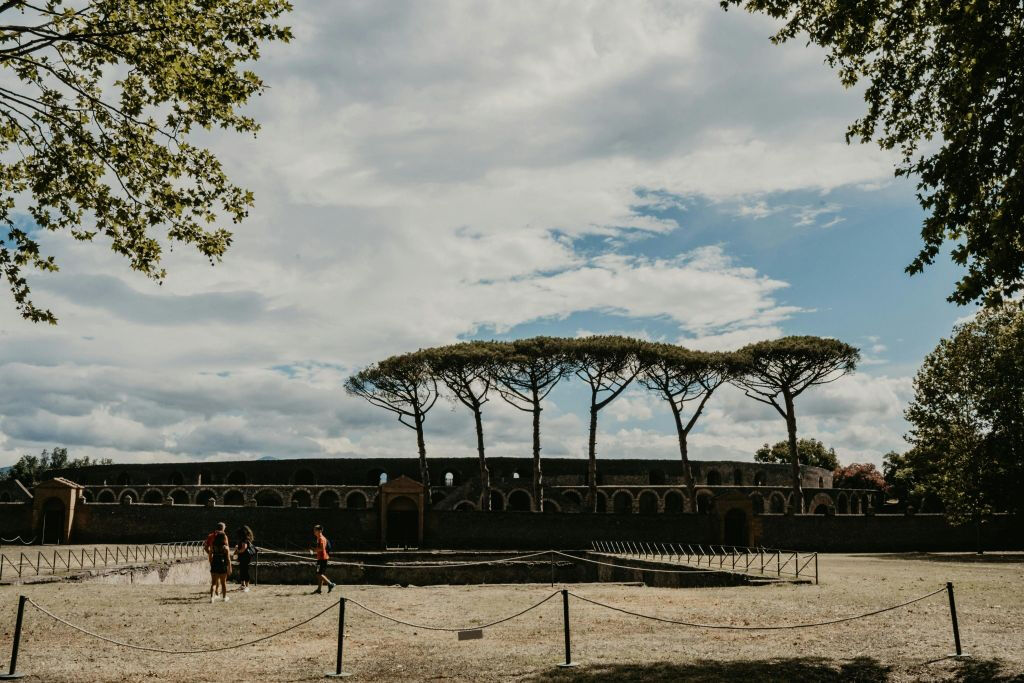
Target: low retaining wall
x=175, y=572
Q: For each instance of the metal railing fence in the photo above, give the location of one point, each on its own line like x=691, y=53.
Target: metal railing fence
x=747, y=560
x=70, y=559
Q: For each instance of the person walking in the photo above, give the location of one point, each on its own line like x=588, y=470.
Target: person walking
x=220, y=566
x=245, y=551
x=322, y=550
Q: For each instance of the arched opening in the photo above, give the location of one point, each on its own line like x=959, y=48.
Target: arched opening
x=622, y=502
x=304, y=477
x=328, y=499
x=382, y=479
x=176, y=479
x=237, y=478
x=515, y=475
x=854, y=505
x=714, y=478
x=757, y=503
x=737, y=477
x=497, y=501
x=376, y=477
x=106, y=496
x=735, y=532
x=602, y=502
x=123, y=479
x=648, y=503
x=205, y=496
x=822, y=509
x=573, y=499
x=53, y=521
x=777, y=503
x=657, y=477
x=268, y=498
x=153, y=497
x=302, y=499
x=674, y=502
x=449, y=479
x=760, y=479
x=705, y=503
x=129, y=495
x=234, y=497
x=842, y=507
x=551, y=506
x=520, y=501
x=821, y=483
x=179, y=497
x=356, y=500
x=403, y=522
x=465, y=506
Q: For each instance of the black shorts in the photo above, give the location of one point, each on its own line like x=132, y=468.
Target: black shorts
x=321, y=566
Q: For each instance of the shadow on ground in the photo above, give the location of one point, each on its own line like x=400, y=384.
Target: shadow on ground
x=809, y=669
x=971, y=558
x=813, y=670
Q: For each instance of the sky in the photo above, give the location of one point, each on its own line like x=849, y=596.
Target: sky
x=429, y=172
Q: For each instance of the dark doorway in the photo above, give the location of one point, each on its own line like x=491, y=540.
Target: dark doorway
x=735, y=528
x=53, y=521
x=403, y=523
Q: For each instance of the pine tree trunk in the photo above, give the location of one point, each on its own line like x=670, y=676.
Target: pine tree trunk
x=592, y=459
x=485, y=477
x=794, y=455
x=421, y=444
x=538, y=479
x=691, y=489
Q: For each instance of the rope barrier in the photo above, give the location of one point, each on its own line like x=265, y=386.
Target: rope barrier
x=178, y=652
x=447, y=565
x=448, y=628
x=732, y=627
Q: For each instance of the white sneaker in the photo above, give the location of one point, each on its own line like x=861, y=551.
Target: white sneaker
x=226, y=598
x=245, y=590
x=212, y=599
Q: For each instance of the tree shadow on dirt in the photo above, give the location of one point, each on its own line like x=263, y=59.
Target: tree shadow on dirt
x=967, y=558
x=810, y=669
x=984, y=671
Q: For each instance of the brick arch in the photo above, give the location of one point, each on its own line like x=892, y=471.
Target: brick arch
x=356, y=500
x=153, y=496
x=842, y=504
x=645, y=500
x=465, y=505
x=675, y=501
x=304, y=496
x=515, y=500
x=234, y=497
x=269, y=498
x=855, y=508
x=205, y=495
x=551, y=506
x=328, y=499
x=106, y=496
x=818, y=500
x=573, y=498
x=128, y=492
x=497, y=500
x=178, y=494
x=622, y=502
x=705, y=501
x=602, y=502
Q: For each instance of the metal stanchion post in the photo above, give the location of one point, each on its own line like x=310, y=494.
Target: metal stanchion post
x=13, y=672
x=338, y=672
x=952, y=615
x=565, y=621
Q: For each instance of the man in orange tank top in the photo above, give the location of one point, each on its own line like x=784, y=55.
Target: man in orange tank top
x=322, y=556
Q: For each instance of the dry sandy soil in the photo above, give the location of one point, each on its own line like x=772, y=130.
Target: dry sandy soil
x=907, y=644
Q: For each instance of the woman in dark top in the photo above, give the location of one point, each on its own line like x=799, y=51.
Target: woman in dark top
x=244, y=552
x=220, y=566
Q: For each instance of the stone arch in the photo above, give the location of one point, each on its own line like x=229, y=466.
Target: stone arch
x=657, y=477
x=674, y=502
x=648, y=503
x=497, y=501
x=705, y=502
x=302, y=498
x=268, y=498
x=820, y=500
x=854, y=504
x=551, y=506
x=842, y=504
x=234, y=497
x=821, y=483
x=520, y=500
x=757, y=503
x=106, y=496
x=356, y=500
x=205, y=496
x=176, y=478
x=328, y=499
x=304, y=477
x=236, y=478
x=737, y=477
x=714, y=478
x=180, y=497
x=602, y=501
x=465, y=506
x=777, y=503
x=573, y=498
x=760, y=478
x=793, y=503
x=622, y=502
x=128, y=492
x=153, y=497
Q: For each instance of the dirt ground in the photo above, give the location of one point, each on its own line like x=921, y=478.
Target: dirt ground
x=907, y=644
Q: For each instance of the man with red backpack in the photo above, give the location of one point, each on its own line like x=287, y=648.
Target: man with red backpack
x=322, y=550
